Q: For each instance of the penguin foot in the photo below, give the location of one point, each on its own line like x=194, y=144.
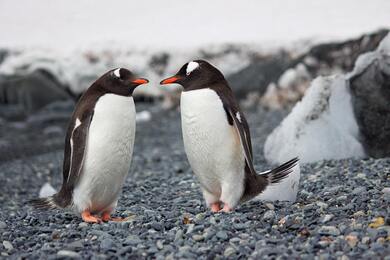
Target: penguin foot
x=87, y=217
x=215, y=207
x=226, y=208
x=107, y=217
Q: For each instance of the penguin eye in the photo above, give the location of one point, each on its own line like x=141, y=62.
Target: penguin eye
x=191, y=67
x=117, y=73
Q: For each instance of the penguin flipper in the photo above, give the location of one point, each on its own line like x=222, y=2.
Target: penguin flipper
x=75, y=148
x=239, y=123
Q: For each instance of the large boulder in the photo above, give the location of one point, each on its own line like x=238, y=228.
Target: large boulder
x=340, y=116
x=31, y=91
x=370, y=89
x=258, y=75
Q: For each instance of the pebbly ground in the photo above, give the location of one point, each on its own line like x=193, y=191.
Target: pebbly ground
x=342, y=211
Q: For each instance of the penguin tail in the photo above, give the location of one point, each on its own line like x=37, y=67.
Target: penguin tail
x=281, y=172
x=45, y=203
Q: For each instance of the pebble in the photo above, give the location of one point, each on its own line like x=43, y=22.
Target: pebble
x=7, y=245
x=163, y=197
x=269, y=215
x=222, y=235
x=229, y=251
x=329, y=230
x=68, y=253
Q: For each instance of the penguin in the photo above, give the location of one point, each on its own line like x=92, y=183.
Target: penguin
x=217, y=139
x=98, y=148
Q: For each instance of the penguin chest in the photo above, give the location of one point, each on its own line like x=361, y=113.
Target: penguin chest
x=108, y=153
x=211, y=143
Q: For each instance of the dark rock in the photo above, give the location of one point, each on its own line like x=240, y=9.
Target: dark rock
x=258, y=75
x=370, y=91
x=32, y=91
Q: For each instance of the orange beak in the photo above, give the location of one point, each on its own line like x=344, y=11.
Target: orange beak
x=140, y=81
x=170, y=80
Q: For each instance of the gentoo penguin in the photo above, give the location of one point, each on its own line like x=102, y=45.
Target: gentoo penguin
x=217, y=139
x=98, y=148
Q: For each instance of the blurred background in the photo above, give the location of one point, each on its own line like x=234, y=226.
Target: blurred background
x=270, y=51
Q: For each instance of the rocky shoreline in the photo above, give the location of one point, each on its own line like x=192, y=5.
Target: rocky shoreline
x=342, y=210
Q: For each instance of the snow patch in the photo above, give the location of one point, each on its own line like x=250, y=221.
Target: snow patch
x=46, y=191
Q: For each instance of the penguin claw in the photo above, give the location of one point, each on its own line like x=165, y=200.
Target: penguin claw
x=106, y=217
x=226, y=209
x=87, y=217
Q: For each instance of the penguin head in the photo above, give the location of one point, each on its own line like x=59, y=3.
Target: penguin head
x=120, y=81
x=195, y=74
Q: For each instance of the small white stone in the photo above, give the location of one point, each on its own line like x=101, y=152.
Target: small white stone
x=7, y=245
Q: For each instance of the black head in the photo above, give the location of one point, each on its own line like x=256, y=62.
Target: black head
x=119, y=81
x=196, y=74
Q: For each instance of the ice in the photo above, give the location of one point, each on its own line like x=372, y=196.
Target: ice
x=46, y=190
x=321, y=126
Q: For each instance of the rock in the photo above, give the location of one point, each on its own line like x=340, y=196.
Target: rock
x=351, y=240
x=68, y=253
x=229, y=251
x=26, y=90
x=370, y=89
x=7, y=245
x=197, y=237
x=107, y=244
x=329, y=230
x=3, y=225
x=222, y=235
x=327, y=218
x=269, y=215
x=258, y=75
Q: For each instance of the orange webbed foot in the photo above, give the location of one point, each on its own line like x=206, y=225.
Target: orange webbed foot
x=89, y=218
x=215, y=207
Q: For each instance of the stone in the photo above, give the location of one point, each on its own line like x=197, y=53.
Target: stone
x=7, y=245
x=68, y=253
x=329, y=230
x=26, y=90
x=269, y=215
x=222, y=235
x=370, y=88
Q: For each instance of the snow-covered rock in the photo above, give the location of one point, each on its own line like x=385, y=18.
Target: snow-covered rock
x=78, y=69
x=340, y=116
x=286, y=190
x=321, y=126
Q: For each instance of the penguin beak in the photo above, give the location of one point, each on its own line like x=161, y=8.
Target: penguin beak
x=170, y=80
x=140, y=81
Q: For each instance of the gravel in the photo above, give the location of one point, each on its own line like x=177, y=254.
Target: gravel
x=342, y=210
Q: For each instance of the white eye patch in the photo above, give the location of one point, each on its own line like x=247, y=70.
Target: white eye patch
x=117, y=73
x=191, y=67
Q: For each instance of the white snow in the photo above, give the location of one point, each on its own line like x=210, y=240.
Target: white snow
x=321, y=126
x=46, y=191
x=286, y=190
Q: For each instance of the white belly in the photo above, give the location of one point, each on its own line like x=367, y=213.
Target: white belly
x=108, y=154
x=211, y=144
